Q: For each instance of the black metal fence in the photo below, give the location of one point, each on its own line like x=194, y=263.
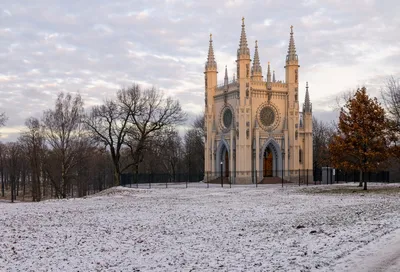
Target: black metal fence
x=298, y=177
x=331, y=176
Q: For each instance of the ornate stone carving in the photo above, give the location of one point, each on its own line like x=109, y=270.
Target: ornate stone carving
x=226, y=118
x=267, y=116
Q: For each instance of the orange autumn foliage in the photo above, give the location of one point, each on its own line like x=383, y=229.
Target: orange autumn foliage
x=362, y=140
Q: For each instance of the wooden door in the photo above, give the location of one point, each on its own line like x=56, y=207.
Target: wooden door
x=268, y=165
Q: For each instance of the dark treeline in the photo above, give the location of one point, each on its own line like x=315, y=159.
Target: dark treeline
x=71, y=153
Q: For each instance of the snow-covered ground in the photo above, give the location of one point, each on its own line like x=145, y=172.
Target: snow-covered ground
x=197, y=229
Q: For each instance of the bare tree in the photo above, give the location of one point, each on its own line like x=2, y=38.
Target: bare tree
x=322, y=135
x=33, y=143
x=3, y=119
x=63, y=130
x=2, y=167
x=149, y=113
x=169, y=150
x=107, y=124
x=194, y=146
x=13, y=158
x=391, y=98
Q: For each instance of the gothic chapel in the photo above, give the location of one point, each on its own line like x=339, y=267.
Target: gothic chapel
x=254, y=127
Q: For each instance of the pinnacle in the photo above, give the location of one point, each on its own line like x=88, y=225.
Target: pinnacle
x=243, y=48
x=307, y=107
x=211, y=64
x=291, y=55
x=226, y=76
x=256, y=69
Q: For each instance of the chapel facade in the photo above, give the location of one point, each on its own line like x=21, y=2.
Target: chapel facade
x=253, y=125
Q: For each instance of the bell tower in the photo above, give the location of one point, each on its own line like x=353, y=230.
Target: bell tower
x=210, y=78
x=292, y=81
x=243, y=108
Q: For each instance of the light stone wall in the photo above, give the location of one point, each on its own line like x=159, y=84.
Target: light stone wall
x=247, y=138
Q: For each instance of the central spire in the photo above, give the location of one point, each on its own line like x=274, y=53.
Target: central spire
x=291, y=55
x=243, y=48
x=211, y=64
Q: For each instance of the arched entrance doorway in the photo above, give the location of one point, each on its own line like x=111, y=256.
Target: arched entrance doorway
x=223, y=159
x=270, y=159
x=267, y=163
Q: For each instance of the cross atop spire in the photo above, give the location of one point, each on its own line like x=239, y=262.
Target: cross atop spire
x=291, y=55
x=243, y=48
x=307, y=107
x=256, y=70
x=211, y=64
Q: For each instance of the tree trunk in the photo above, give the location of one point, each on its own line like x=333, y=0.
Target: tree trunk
x=23, y=184
x=2, y=183
x=365, y=185
x=360, y=184
x=63, y=182
x=117, y=177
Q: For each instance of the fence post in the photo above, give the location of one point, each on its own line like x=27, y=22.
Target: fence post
x=307, y=176
x=208, y=180
x=149, y=181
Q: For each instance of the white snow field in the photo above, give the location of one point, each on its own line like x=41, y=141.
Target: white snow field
x=198, y=229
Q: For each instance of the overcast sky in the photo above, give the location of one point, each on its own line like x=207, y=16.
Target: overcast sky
x=99, y=46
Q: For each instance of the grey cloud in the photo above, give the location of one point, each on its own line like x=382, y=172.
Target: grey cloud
x=99, y=46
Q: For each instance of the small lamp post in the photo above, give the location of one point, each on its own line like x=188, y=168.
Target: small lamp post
x=222, y=182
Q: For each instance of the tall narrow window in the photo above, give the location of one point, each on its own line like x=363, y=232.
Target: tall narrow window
x=300, y=155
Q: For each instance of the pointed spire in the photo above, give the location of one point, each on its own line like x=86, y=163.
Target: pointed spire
x=307, y=107
x=226, y=76
x=273, y=76
x=234, y=79
x=211, y=64
x=292, y=48
x=269, y=73
x=256, y=70
x=243, y=48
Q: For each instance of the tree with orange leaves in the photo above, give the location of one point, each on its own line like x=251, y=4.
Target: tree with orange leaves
x=362, y=138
